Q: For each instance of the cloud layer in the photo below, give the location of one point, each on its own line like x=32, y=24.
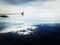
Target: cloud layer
x=35, y=11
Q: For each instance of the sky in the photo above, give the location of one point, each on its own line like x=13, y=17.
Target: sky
x=36, y=11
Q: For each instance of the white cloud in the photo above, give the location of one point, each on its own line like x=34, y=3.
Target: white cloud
x=23, y=29
x=48, y=11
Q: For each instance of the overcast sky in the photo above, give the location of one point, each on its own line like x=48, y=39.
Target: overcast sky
x=35, y=10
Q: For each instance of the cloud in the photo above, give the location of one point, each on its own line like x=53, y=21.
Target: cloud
x=37, y=11
x=23, y=29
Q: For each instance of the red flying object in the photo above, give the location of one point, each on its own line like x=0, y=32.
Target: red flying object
x=22, y=13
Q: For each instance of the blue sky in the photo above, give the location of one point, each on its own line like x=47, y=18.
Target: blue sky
x=17, y=2
x=36, y=11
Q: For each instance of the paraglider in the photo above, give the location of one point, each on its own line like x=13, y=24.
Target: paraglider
x=22, y=13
